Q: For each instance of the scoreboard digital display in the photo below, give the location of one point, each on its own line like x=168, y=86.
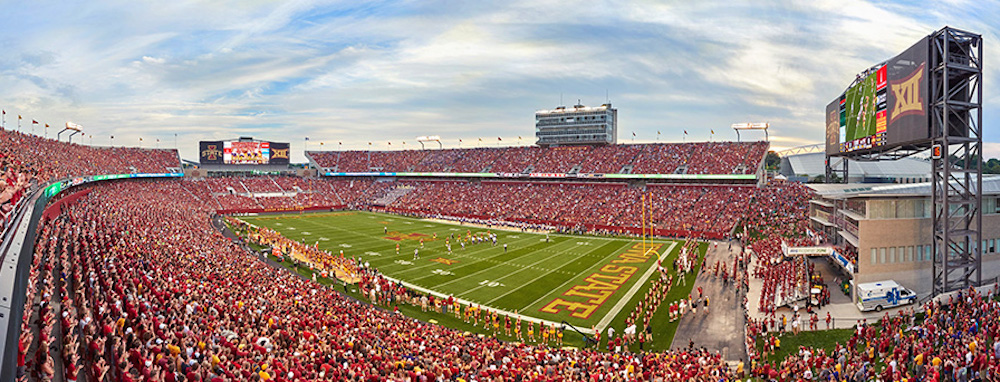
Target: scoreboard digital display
x=885, y=107
x=243, y=152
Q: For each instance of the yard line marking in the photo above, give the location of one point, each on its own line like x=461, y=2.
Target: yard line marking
x=596, y=265
x=546, y=274
x=507, y=275
x=468, y=256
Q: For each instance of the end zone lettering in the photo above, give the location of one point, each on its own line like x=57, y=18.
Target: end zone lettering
x=600, y=285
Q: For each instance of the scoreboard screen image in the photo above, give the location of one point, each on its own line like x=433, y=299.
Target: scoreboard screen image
x=886, y=106
x=243, y=152
x=863, y=113
x=246, y=152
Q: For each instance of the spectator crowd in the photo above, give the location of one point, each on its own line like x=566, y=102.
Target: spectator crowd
x=131, y=283
x=656, y=158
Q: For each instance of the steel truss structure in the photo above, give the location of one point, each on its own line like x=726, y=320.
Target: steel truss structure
x=956, y=116
x=956, y=127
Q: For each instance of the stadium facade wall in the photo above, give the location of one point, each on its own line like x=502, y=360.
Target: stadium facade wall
x=229, y=211
x=897, y=255
x=627, y=230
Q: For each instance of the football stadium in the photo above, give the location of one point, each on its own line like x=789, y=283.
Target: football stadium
x=580, y=255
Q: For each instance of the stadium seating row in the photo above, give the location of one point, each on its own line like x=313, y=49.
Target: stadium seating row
x=27, y=160
x=661, y=158
x=171, y=299
x=677, y=210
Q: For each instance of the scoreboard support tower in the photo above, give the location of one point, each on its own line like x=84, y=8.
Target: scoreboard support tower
x=955, y=125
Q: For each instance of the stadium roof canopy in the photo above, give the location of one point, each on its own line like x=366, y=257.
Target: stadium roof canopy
x=813, y=164
x=991, y=186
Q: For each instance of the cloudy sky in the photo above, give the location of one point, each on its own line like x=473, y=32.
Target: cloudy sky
x=358, y=72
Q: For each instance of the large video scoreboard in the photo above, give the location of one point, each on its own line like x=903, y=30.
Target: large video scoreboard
x=885, y=106
x=243, y=152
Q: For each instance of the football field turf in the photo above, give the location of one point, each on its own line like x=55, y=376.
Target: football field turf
x=584, y=280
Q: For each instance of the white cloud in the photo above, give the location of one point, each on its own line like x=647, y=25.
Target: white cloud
x=358, y=72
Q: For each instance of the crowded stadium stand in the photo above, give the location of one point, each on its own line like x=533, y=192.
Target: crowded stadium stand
x=657, y=158
x=129, y=280
x=172, y=297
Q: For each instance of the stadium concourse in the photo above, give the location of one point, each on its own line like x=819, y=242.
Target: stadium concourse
x=129, y=281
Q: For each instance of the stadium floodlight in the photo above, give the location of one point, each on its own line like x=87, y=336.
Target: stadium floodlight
x=751, y=126
x=75, y=128
x=430, y=138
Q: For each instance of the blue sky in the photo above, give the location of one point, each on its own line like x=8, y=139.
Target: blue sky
x=359, y=72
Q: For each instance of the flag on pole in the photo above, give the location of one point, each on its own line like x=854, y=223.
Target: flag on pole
x=633, y=133
x=459, y=140
x=657, y=132
x=498, y=139
x=46, y=125
x=34, y=122
x=18, y=116
x=712, y=130
x=307, y=138
x=685, y=132
x=389, y=143
x=480, y=139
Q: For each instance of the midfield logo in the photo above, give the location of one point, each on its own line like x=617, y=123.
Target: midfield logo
x=444, y=261
x=212, y=152
x=908, y=98
x=398, y=236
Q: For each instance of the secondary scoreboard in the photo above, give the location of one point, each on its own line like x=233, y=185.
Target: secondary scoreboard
x=243, y=152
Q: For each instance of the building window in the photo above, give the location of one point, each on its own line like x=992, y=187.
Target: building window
x=993, y=245
x=892, y=255
x=881, y=252
x=920, y=253
x=909, y=254
x=874, y=255
x=928, y=249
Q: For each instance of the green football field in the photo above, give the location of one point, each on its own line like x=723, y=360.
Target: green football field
x=584, y=280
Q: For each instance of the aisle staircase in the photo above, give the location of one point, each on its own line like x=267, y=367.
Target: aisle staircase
x=392, y=195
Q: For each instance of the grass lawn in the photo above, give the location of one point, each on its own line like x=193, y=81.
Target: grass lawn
x=583, y=280
x=820, y=339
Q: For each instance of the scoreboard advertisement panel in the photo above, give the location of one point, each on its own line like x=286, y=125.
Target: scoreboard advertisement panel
x=886, y=106
x=243, y=152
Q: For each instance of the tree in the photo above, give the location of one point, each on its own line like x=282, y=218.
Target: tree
x=772, y=161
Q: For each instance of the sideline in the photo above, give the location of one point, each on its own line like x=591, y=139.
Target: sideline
x=604, y=322
x=220, y=225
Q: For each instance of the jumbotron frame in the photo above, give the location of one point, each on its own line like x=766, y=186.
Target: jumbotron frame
x=956, y=97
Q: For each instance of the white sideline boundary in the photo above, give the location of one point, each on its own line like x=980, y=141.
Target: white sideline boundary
x=601, y=324
x=604, y=322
